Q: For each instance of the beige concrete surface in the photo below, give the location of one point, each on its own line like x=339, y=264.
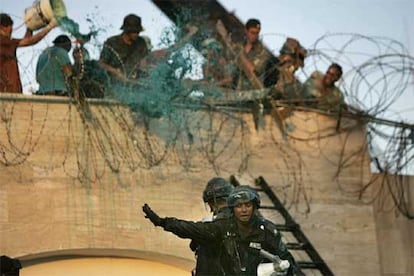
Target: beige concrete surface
x=73, y=182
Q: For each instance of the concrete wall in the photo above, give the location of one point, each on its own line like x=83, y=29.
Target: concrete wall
x=73, y=181
x=394, y=231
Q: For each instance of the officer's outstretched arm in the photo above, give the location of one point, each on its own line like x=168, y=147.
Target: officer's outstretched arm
x=152, y=216
x=201, y=232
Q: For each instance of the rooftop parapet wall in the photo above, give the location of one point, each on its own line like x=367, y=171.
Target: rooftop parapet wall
x=76, y=179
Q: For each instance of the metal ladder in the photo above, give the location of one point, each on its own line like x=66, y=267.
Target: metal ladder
x=301, y=244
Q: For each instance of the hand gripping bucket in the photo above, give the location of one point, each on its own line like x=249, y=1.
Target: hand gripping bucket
x=42, y=11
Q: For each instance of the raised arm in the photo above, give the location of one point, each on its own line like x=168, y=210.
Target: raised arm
x=30, y=39
x=202, y=232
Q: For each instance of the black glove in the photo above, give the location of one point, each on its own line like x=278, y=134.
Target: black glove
x=153, y=217
x=194, y=245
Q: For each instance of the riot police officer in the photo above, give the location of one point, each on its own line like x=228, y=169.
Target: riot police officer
x=215, y=195
x=239, y=239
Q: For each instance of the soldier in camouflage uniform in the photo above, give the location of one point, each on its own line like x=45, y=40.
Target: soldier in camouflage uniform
x=291, y=58
x=321, y=89
x=122, y=54
x=217, y=69
x=255, y=58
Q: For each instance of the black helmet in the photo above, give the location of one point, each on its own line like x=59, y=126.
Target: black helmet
x=217, y=187
x=132, y=23
x=243, y=194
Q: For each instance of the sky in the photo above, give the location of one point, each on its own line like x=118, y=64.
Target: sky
x=304, y=20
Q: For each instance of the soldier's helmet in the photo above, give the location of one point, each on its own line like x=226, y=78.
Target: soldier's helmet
x=243, y=194
x=217, y=187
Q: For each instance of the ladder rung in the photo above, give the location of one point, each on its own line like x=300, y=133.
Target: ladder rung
x=286, y=227
x=307, y=265
x=291, y=226
x=296, y=246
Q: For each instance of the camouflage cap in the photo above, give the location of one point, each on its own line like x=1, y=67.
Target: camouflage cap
x=294, y=48
x=132, y=23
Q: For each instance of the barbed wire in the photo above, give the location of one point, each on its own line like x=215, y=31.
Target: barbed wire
x=195, y=133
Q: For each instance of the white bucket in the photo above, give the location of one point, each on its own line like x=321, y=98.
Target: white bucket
x=42, y=11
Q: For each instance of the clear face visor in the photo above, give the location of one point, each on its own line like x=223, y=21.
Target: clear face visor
x=240, y=197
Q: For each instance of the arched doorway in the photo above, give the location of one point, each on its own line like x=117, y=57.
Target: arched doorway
x=102, y=266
